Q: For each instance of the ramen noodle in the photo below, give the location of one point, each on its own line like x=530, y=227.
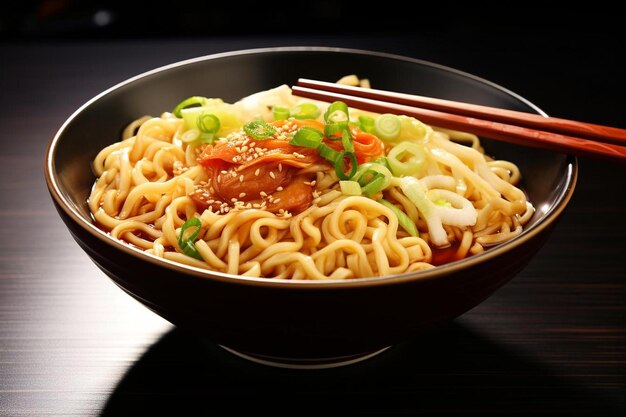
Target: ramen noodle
x=279, y=187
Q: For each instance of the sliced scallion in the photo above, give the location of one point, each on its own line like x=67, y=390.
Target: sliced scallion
x=208, y=123
x=339, y=165
x=328, y=153
x=403, y=220
x=259, y=129
x=406, y=158
x=346, y=141
x=305, y=111
x=374, y=186
x=350, y=187
x=331, y=130
x=366, y=124
x=186, y=239
x=308, y=137
x=188, y=102
x=387, y=126
x=337, y=112
x=280, y=113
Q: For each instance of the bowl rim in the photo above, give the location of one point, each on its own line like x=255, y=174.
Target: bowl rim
x=191, y=272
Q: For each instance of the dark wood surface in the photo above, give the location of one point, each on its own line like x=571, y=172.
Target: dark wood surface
x=552, y=341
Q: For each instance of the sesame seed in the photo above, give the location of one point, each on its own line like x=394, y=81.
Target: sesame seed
x=241, y=178
x=272, y=175
x=257, y=172
x=234, y=200
x=256, y=155
x=279, y=188
x=306, y=183
x=263, y=194
x=210, y=201
x=256, y=205
x=280, y=167
x=313, y=183
x=224, y=172
x=244, y=148
x=242, y=195
x=248, y=206
x=252, y=144
x=238, y=149
x=277, y=201
x=233, y=173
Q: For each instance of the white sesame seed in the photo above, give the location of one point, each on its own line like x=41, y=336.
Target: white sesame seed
x=272, y=175
x=263, y=194
x=252, y=144
x=280, y=167
x=279, y=188
x=234, y=200
x=313, y=183
x=256, y=205
x=241, y=178
x=277, y=201
x=224, y=172
x=242, y=195
x=256, y=155
x=257, y=172
x=233, y=173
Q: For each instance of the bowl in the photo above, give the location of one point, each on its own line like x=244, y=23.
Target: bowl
x=297, y=323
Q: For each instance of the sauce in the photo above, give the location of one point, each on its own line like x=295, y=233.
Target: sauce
x=445, y=255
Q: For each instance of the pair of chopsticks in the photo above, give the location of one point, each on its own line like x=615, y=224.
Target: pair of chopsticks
x=526, y=129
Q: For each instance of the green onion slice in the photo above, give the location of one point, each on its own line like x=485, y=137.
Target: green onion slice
x=366, y=124
x=337, y=112
x=189, y=102
x=305, y=111
x=186, y=240
x=403, y=219
x=406, y=158
x=259, y=129
x=369, y=172
x=280, y=113
x=375, y=185
x=328, y=153
x=382, y=161
x=207, y=137
x=339, y=165
x=208, y=123
x=350, y=187
x=346, y=141
x=331, y=130
x=387, y=126
x=308, y=137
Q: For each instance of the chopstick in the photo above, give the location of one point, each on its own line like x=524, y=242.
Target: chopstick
x=506, y=125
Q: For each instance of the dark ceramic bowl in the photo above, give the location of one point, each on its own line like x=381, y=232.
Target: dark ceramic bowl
x=303, y=323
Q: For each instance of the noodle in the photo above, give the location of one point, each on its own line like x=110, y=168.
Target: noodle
x=151, y=182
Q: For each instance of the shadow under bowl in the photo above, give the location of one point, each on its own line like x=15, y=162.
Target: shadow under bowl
x=299, y=323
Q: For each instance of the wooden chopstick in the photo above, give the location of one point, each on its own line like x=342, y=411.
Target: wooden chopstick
x=486, y=126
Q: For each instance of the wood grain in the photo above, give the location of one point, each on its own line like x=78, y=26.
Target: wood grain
x=551, y=342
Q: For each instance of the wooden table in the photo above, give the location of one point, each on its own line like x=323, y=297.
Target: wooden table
x=552, y=341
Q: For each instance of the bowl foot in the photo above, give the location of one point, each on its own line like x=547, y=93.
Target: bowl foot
x=305, y=363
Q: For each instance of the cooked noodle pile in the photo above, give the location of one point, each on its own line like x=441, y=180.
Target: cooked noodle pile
x=152, y=182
